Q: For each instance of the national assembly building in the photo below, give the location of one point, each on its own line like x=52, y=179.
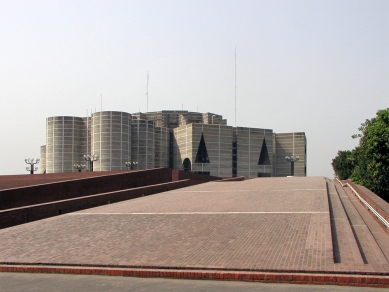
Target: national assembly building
x=190, y=141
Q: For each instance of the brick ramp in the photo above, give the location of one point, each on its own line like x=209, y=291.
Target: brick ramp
x=266, y=229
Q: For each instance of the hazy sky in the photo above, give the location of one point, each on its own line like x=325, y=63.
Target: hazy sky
x=319, y=67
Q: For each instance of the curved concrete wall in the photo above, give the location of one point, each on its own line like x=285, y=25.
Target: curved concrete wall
x=143, y=146
x=161, y=139
x=111, y=140
x=42, y=163
x=63, y=147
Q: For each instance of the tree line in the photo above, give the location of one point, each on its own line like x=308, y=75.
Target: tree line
x=368, y=163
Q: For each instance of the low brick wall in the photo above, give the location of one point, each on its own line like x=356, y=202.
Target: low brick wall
x=376, y=281
x=16, y=216
x=35, y=202
x=24, y=180
x=38, y=194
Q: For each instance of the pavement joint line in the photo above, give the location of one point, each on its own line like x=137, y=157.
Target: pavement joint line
x=197, y=213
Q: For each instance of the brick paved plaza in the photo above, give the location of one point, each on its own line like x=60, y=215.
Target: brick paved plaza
x=264, y=224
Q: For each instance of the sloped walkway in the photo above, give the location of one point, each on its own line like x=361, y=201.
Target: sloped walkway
x=267, y=229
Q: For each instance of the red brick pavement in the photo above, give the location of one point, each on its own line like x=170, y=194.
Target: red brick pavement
x=265, y=225
x=255, y=195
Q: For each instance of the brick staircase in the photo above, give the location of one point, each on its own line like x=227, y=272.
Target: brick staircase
x=360, y=241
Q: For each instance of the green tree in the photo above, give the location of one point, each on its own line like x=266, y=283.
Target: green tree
x=371, y=157
x=343, y=164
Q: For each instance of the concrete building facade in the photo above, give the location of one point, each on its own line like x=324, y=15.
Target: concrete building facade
x=190, y=141
x=287, y=144
x=143, y=144
x=66, y=143
x=254, y=148
x=111, y=139
x=203, y=148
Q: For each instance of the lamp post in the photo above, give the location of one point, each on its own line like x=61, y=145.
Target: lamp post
x=31, y=162
x=91, y=159
x=292, y=159
x=131, y=164
x=79, y=167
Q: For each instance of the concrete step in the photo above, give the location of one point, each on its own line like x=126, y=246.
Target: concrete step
x=346, y=250
x=375, y=228
x=368, y=246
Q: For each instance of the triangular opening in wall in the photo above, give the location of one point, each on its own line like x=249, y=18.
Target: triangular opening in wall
x=202, y=154
x=264, y=156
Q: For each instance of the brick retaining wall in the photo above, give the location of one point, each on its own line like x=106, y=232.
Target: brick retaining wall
x=16, y=216
x=38, y=194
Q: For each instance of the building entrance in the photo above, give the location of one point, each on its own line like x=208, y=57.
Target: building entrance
x=186, y=165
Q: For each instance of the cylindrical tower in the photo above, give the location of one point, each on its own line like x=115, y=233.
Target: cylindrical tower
x=63, y=135
x=43, y=159
x=85, y=139
x=111, y=140
x=143, y=144
x=161, y=139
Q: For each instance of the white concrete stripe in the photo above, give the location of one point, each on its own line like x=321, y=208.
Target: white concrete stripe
x=197, y=213
x=232, y=191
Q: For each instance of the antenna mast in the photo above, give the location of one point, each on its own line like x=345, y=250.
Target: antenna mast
x=147, y=92
x=235, y=86
x=87, y=131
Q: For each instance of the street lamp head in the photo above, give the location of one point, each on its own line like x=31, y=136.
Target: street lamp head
x=91, y=158
x=79, y=166
x=292, y=158
x=31, y=161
